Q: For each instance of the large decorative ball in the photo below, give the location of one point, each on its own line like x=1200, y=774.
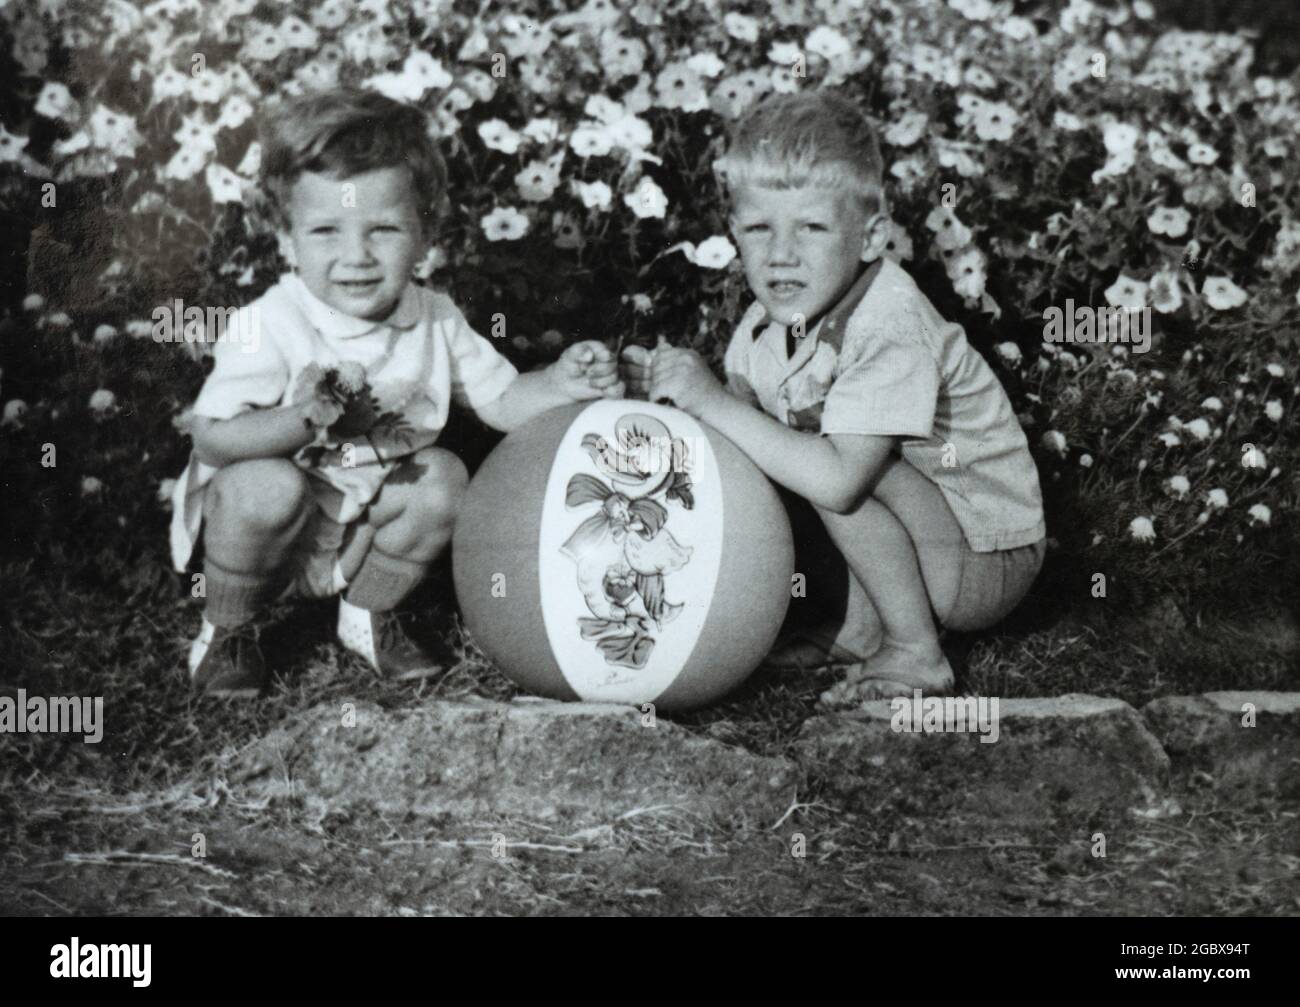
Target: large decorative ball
x=622, y=551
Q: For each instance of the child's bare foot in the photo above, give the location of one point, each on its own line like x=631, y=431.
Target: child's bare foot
x=893, y=671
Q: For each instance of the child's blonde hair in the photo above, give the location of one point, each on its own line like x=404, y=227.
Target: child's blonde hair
x=817, y=139
x=344, y=132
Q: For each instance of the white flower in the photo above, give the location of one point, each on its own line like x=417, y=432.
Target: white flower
x=1166, y=293
x=57, y=320
x=33, y=302
x=975, y=10
x=56, y=102
x=497, y=135
x=104, y=334
x=740, y=26
x=1199, y=429
x=1259, y=513
x=1217, y=498
x=102, y=401
x=537, y=181
x=1213, y=403
x=91, y=487
x=706, y=64
x=13, y=414
x=594, y=195
x=907, y=130
x=827, y=43
x=784, y=53
x=1222, y=294
x=251, y=161
x=224, y=184
x=11, y=145
x=169, y=83
x=1120, y=139
x=1273, y=410
x=1126, y=292
x=185, y=163
x=1178, y=487
x=139, y=328
x=235, y=111
x=714, y=253
x=1171, y=221
x=1016, y=28
x=542, y=130
x=1054, y=441
x=1085, y=461
x=590, y=141
x=1202, y=153
x=1067, y=121
x=505, y=223
x=1169, y=439
x=1142, y=529
x=647, y=199
x=949, y=232
x=1009, y=352
x=631, y=133
x=1273, y=369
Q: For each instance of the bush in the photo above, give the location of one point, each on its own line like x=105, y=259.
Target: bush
x=1082, y=153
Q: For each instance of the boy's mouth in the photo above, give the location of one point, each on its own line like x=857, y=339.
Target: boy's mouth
x=785, y=288
x=357, y=286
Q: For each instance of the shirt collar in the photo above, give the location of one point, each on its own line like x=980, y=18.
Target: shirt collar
x=331, y=322
x=830, y=326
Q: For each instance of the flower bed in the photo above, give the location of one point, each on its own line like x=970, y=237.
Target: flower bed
x=1084, y=156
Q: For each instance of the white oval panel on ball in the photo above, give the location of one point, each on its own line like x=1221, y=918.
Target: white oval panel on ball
x=627, y=571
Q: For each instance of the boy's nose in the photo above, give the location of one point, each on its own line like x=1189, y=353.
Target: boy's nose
x=782, y=251
x=357, y=251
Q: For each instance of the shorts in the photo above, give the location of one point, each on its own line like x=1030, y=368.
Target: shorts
x=991, y=584
x=325, y=558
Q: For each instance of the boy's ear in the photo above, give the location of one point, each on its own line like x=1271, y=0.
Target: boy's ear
x=875, y=237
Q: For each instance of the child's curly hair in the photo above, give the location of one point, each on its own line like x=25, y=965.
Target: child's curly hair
x=813, y=138
x=344, y=132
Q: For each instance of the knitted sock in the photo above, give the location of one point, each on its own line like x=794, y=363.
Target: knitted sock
x=383, y=581
x=234, y=598
x=356, y=631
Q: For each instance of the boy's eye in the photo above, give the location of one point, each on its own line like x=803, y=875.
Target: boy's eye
x=814, y=226
x=387, y=227
x=754, y=228
x=323, y=229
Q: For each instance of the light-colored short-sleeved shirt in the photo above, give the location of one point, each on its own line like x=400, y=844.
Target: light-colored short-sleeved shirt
x=417, y=361
x=885, y=362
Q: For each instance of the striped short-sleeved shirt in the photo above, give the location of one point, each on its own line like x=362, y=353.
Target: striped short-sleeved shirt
x=884, y=362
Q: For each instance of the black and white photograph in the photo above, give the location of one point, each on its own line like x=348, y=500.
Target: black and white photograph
x=674, y=458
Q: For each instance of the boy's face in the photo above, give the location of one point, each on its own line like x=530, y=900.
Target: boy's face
x=802, y=248
x=355, y=240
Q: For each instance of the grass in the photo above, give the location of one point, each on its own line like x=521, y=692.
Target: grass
x=89, y=607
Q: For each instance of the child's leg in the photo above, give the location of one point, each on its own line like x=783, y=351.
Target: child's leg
x=412, y=520
x=253, y=511
x=410, y=524
x=904, y=547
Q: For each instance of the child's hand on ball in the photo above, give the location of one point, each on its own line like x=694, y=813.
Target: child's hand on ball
x=635, y=367
x=587, y=370
x=683, y=376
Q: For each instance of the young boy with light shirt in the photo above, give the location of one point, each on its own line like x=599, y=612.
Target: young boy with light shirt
x=314, y=468
x=847, y=387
